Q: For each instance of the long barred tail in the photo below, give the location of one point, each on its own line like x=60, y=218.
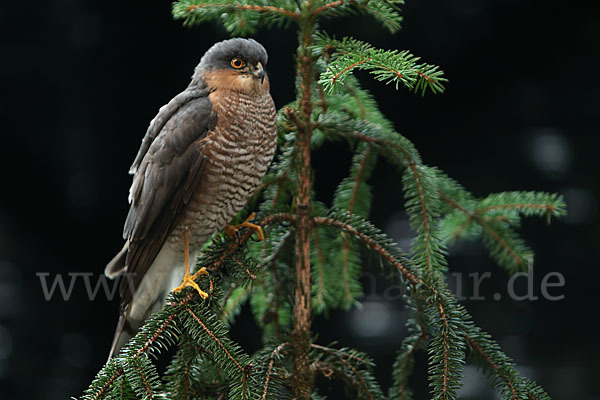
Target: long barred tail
x=122, y=334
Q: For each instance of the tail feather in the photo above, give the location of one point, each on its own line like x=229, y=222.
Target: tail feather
x=117, y=265
x=122, y=334
x=148, y=297
x=113, y=269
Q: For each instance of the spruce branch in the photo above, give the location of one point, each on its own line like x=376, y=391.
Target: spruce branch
x=405, y=359
x=232, y=303
x=419, y=182
x=161, y=326
x=500, y=369
x=238, y=17
x=352, y=366
x=505, y=246
x=350, y=272
x=207, y=331
x=512, y=205
x=389, y=66
x=327, y=7
x=323, y=276
x=270, y=310
x=272, y=375
x=120, y=390
x=446, y=345
x=341, y=277
x=354, y=195
x=385, y=12
x=355, y=103
x=143, y=378
x=494, y=218
x=183, y=377
x=374, y=240
x=219, y=342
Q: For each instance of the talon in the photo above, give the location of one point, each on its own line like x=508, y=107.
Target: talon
x=231, y=230
x=200, y=272
x=188, y=281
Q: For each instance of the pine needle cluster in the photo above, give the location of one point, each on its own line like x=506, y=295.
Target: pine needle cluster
x=312, y=257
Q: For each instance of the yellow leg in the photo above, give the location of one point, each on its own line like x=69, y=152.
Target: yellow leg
x=188, y=279
x=231, y=230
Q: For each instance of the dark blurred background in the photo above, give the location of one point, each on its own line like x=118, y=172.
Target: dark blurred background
x=80, y=80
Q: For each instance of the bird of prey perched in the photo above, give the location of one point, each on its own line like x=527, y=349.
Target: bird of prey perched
x=202, y=157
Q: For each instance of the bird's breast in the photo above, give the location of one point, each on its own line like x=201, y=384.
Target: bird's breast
x=238, y=152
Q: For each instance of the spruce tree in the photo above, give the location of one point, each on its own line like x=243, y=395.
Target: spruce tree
x=313, y=253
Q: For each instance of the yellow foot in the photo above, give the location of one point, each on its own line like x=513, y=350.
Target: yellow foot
x=231, y=230
x=188, y=280
x=199, y=273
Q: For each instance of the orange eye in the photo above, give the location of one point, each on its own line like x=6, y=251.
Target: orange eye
x=237, y=63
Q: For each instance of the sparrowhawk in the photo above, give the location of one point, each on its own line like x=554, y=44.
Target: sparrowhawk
x=202, y=157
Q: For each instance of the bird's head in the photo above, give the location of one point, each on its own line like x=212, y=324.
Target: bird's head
x=234, y=64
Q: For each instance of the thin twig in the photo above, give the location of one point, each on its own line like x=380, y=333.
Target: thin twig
x=517, y=206
x=327, y=7
x=413, y=167
x=475, y=346
x=476, y=217
x=215, y=338
x=144, y=380
x=337, y=352
x=446, y=345
x=409, y=353
x=245, y=7
x=412, y=278
x=226, y=299
x=274, y=354
x=348, y=364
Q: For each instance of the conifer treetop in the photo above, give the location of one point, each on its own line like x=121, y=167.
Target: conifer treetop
x=313, y=254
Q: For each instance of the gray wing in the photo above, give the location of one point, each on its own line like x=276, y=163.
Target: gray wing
x=164, y=114
x=172, y=156
x=167, y=171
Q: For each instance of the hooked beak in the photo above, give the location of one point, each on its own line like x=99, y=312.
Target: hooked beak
x=259, y=72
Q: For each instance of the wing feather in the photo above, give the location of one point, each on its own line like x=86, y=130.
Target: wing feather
x=165, y=178
x=158, y=122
